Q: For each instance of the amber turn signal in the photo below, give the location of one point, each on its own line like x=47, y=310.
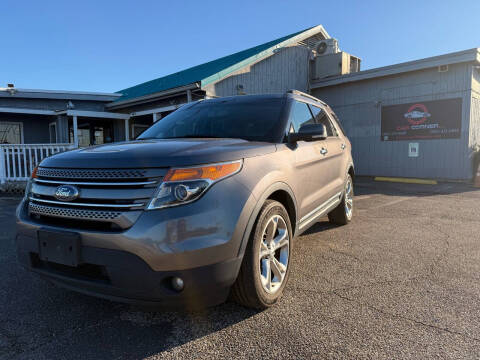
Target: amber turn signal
x=34, y=173
x=210, y=172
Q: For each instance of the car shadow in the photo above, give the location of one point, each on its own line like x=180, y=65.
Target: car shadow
x=319, y=227
x=368, y=186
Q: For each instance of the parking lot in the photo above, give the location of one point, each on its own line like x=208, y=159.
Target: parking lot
x=401, y=281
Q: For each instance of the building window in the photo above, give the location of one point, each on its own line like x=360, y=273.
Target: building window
x=11, y=133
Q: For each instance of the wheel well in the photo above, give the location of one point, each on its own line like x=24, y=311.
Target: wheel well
x=286, y=200
x=352, y=172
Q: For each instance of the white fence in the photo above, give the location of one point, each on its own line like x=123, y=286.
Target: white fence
x=17, y=161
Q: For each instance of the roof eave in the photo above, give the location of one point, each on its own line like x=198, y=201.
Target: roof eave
x=151, y=97
x=465, y=56
x=57, y=94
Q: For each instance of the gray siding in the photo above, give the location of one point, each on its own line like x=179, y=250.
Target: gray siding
x=475, y=122
x=287, y=69
x=50, y=104
x=475, y=110
x=358, y=105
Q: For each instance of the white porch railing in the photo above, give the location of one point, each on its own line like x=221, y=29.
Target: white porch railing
x=17, y=161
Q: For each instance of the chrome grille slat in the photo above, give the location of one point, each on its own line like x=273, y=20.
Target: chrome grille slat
x=76, y=204
x=80, y=183
x=79, y=214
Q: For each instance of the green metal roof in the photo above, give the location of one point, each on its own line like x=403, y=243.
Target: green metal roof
x=207, y=72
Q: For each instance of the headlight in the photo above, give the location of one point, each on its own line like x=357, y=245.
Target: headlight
x=28, y=188
x=184, y=185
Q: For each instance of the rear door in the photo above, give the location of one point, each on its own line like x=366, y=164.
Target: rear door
x=335, y=157
x=311, y=166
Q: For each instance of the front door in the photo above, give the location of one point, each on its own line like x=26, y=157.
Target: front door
x=311, y=165
x=335, y=158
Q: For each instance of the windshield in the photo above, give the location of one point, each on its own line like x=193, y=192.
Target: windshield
x=253, y=119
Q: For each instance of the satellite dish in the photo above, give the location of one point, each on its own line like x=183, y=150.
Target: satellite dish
x=322, y=47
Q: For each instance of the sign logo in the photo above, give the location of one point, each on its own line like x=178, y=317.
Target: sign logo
x=417, y=114
x=66, y=193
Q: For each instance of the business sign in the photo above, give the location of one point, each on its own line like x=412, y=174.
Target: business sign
x=440, y=119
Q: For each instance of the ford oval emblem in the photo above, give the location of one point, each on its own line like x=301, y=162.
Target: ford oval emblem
x=66, y=193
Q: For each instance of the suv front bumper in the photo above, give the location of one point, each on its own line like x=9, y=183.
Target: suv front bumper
x=198, y=242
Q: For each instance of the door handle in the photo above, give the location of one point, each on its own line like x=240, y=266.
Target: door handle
x=344, y=146
x=323, y=151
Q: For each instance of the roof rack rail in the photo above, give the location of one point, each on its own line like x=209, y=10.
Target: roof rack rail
x=301, y=93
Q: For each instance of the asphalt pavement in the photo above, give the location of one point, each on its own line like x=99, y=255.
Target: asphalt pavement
x=401, y=281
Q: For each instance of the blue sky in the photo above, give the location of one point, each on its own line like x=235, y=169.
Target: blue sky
x=105, y=45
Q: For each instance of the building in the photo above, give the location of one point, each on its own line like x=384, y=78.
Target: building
x=37, y=123
x=415, y=119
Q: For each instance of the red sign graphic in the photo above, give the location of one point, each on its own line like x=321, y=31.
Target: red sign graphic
x=417, y=114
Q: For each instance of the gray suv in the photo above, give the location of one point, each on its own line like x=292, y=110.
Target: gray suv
x=206, y=203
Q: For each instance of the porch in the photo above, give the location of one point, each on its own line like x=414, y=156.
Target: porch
x=27, y=136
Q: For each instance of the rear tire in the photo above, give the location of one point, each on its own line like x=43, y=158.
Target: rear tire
x=265, y=267
x=343, y=213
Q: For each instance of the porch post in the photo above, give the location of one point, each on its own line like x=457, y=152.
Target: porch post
x=75, y=131
x=127, y=129
x=3, y=173
x=189, y=96
x=156, y=117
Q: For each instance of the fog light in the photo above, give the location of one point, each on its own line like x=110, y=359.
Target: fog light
x=177, y=284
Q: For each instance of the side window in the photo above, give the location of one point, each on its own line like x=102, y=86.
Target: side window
x=300, y=115
x=321, y=117
x=339, y=123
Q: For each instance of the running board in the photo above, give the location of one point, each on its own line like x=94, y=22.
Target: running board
x=320, y=211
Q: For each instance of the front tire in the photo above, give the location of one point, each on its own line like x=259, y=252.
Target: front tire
x=343, y=213
x=265, y=267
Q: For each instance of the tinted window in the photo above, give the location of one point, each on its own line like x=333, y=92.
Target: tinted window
x=321, y=117
x=300, y=115
x=254, y=119
x=339, y=123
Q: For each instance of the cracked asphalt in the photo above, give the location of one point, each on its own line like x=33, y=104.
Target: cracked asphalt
x=401, y=281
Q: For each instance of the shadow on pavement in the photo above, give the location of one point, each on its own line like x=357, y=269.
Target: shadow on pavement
x=367, y=186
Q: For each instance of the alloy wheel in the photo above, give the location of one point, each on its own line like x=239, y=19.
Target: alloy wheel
x=274, y=254
x=349, y=199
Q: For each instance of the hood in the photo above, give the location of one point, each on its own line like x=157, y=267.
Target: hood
x=158, y=153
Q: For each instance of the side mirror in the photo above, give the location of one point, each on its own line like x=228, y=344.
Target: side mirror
x=309, y=132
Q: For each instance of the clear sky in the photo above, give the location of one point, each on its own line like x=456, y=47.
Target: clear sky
x=103, y=45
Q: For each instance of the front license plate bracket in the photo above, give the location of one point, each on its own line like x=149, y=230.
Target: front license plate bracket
x=59, y=247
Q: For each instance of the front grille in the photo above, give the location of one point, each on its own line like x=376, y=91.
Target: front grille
x=97, y=174
x=79, y=214
x=105, y=195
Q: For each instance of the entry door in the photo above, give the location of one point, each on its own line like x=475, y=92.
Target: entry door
x=311, y=165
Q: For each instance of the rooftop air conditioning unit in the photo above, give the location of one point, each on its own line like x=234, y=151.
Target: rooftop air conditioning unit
x=340, y=63
x=327, y=46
